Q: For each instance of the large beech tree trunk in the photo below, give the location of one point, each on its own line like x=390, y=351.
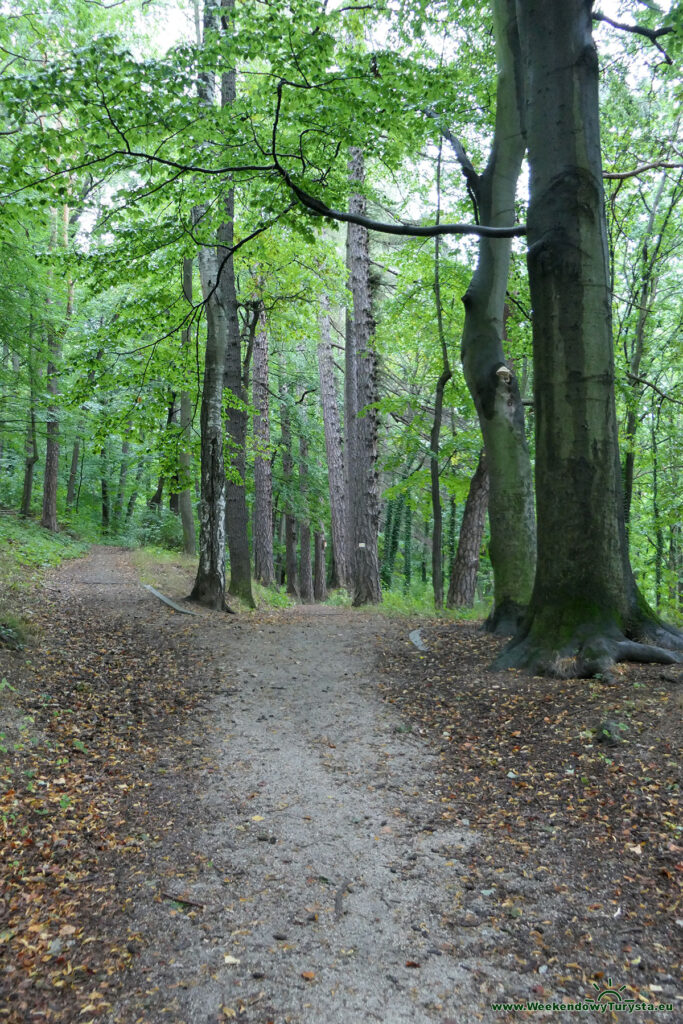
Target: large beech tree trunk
x=585, y=611
x=333, y=444
x=362, y=478
x=463, y=582
x=493, y=387
x=264, y=566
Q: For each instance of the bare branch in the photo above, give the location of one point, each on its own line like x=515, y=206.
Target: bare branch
x=653, y=34
x=622, y=175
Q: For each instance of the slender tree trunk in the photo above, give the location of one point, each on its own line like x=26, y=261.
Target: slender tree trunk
x=30, y=459
x=123, y=477
x=493, y=386
x=185, y=454
x=319, y=567
x=465, y=566
x=73, y=474
x=362, y=477
x=391, y=542
x=209, y=585
x=132, y=501
x=408, y=548
x=305, y=568
x=585, y=611
x=645, y=302
x=264, y=566
x=446, y=374
x=288, y=473
x=333, y=443
x=236, y=380
x=104, y=490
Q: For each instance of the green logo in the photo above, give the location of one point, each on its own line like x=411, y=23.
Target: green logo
x=609, y=994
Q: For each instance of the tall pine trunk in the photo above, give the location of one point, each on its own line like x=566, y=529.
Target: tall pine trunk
x=291, y=573
x=362, y=478
x=264, y=566
x=305, y=568
x=463, y=582
x=333, y=444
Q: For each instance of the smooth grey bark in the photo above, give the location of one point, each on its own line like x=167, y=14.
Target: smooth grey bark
x=361, y=420
x=333, y=443
x=463, y=580
x=185, y=455
x=492, y=384
x=585, y=611
x=264, y=566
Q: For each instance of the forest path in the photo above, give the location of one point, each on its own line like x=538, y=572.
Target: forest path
x=290, y=816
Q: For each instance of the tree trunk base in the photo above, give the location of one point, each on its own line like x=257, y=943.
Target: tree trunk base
x=209, y=595
x=505, y=619
x=242, y=591
x=592, y=648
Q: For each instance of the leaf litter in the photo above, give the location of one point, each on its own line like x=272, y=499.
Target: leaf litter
x=571, y=877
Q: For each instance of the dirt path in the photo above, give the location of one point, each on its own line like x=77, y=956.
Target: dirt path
x=266, y=835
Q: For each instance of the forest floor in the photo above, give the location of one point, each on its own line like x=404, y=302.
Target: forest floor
x=296, y=816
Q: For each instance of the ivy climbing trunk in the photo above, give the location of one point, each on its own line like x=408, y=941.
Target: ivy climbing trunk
x=264, y=566
x=492, y=384
x=362, y=478
x=585, y=611
x=463, y=582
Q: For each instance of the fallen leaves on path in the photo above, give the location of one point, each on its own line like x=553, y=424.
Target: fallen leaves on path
x=99, y=698
x=596, y=824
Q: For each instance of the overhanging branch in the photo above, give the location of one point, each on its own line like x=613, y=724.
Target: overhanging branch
x=653, y=34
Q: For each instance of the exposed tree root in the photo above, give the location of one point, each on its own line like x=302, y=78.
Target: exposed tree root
x=590, y=652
